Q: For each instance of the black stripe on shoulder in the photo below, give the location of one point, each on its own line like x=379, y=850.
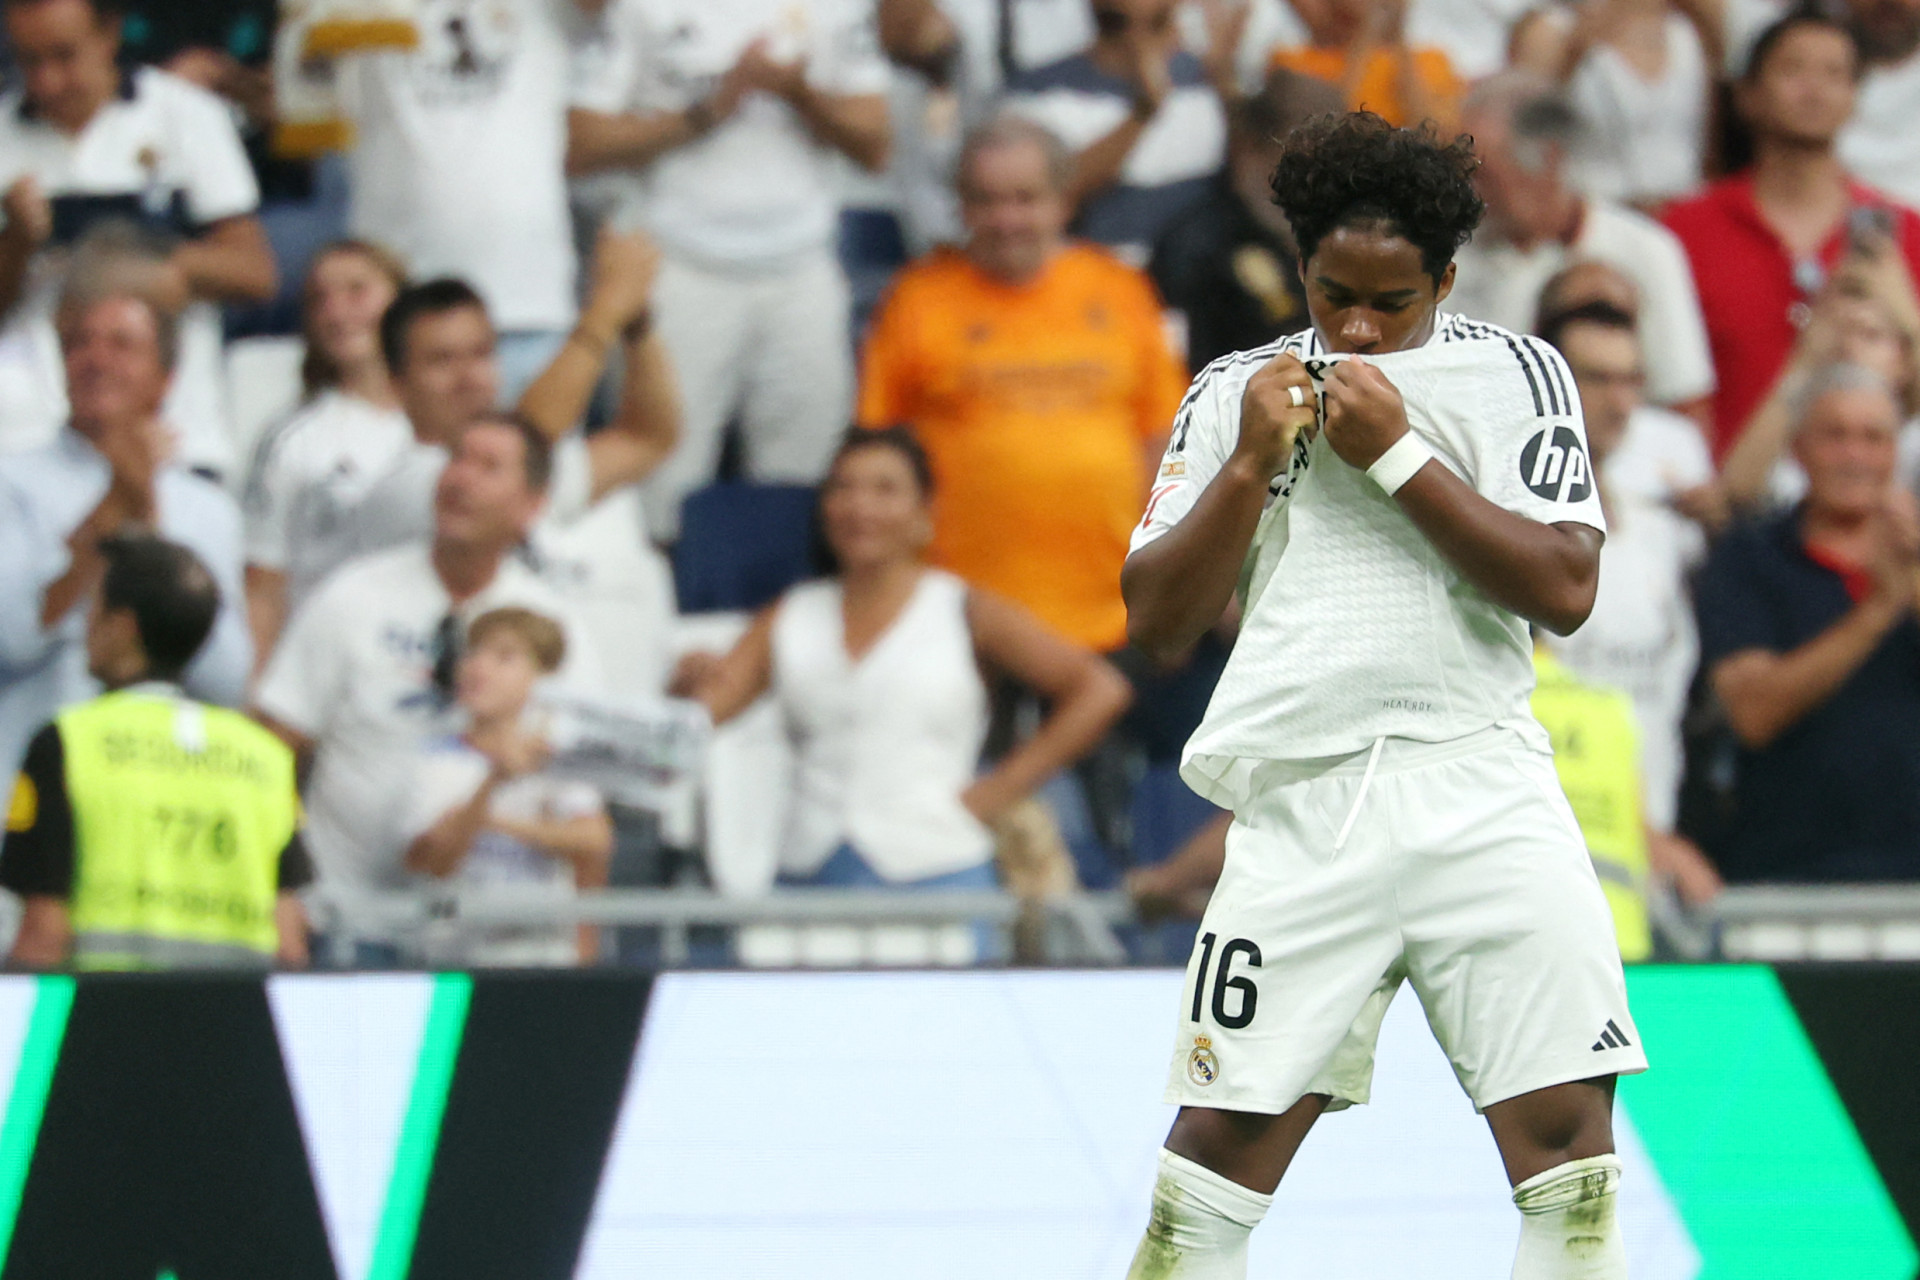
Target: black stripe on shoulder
x=1465, y=330
x=1546, y=376
x=1183, y=416
x=1289, y=344
x=1556, y=369
x=1539, y=408
x=1477, y=329
x=1531, y=351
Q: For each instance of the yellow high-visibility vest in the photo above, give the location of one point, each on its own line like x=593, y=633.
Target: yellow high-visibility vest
x=180, y=814
x=1596, y=751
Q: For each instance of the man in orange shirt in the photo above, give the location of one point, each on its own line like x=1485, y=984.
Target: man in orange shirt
x=1038, y=374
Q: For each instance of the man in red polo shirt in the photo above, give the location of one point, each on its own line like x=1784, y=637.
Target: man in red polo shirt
x=1764, y=242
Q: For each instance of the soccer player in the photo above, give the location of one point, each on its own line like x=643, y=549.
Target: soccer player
x=1403, y=491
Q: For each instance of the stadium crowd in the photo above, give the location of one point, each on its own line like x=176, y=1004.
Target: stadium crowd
x=812, y=361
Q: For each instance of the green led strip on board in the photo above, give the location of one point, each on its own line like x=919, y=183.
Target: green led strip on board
x=27, y=1104
x=1752, y=1142
x=420, y=1131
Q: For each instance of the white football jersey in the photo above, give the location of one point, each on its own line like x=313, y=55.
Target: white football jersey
x=1355, y=627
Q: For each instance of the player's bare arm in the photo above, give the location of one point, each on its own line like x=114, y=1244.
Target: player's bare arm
x=1179, y=585
x=1546, y=573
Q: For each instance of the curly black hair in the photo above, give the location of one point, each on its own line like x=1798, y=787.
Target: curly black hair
x=1349, y=168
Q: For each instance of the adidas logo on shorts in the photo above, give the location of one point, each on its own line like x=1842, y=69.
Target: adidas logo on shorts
x=1611, y=1037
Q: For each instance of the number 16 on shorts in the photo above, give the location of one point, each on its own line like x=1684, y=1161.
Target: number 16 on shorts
x=1223, y=982
x=1215, y=975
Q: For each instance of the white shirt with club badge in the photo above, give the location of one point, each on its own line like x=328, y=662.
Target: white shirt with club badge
x=1356, y=628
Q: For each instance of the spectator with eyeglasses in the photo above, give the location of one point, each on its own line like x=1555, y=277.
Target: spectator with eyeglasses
x=1146, y=128
x=365, y=672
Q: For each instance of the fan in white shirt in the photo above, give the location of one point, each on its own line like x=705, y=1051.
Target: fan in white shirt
x=311, y=470
x=82, y=143
x=1639, y=75
x=459, y=158
x=1880, y=143
x=438, y=342
x=1537, y=223
x=106, y=471
x=726, y=123
x=364, y=674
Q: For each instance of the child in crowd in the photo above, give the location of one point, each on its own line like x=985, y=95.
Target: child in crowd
x=484, y=812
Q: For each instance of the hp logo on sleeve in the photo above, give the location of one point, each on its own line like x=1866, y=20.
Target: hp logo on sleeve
x=1557, y=469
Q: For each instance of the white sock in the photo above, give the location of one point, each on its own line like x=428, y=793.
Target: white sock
x=1199, y=1227
x=1568, y=1227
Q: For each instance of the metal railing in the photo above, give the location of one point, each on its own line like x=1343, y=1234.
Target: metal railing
x=1819, y=922
x=1070, y=930
x=1764, y=923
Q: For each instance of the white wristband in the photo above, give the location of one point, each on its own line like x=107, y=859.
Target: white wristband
x=1398, y=464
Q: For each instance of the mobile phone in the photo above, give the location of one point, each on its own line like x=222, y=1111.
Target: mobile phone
x=1868, y=227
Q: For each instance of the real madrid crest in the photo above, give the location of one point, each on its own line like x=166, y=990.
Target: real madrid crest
x=1202, y=1067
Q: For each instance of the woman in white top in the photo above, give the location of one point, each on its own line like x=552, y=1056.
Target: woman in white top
x=1639, y=74
x=309, y=471
x=878, y=675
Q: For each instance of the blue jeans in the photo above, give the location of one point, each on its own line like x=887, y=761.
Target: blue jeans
x=362, y=954
x=846, y=869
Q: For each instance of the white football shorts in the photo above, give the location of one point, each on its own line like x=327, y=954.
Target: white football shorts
x=1458, y=866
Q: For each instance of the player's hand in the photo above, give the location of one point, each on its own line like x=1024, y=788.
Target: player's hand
x=29, y=212
x=1276, y=407
x=1364, y=412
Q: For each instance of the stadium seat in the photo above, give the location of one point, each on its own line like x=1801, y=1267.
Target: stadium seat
x=741, y=545
x=263, y=386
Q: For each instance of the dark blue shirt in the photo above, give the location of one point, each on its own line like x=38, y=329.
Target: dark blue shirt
x=1836, y=796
